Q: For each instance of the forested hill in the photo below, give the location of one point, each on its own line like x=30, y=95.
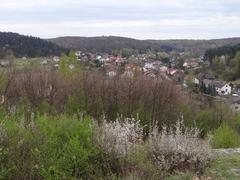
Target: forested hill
x=109, y=43
x=230, y=51
x=28, y=46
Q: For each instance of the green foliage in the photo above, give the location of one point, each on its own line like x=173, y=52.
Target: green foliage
x=3, y=81
x=185, y=176
x=226, y=66
x=162, y=56
x=205, y=122
x=237, y=60
x=66, y=62
x=48, y=148
x=73, y=105
x=236, y=123
x=225, y=137
x=125, y=52
x=44, y=108
x=63, y=67
x=190, y=81
x=225, y=167
x=68, y=149
x=116, y=52
x=208, y=120
x=221, y=51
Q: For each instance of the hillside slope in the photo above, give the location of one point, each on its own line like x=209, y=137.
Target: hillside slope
x=27, y=46
x=109, y=43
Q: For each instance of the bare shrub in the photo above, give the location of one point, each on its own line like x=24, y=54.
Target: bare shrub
x=178, y=149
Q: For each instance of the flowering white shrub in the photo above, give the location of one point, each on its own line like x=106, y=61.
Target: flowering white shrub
x=178, y=149
x=167, y=151
x=120, y=137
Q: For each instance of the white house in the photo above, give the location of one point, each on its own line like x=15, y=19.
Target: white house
x=78, y=53
x=148, y=66
x=99, y=58
x=44, y=62
x=56, y=59
x=196, y=81
x=223, y=88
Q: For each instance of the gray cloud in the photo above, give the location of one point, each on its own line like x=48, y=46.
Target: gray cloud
x=140, y=19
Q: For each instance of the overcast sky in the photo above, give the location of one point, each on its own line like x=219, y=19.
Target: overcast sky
x=142, y=19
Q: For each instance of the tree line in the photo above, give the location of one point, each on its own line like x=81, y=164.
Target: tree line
x=92, y=93
x=230, y=51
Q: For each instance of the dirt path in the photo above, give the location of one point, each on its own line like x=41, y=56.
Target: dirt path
x=227, y=151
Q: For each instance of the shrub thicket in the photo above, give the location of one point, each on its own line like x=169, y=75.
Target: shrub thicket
x=48, y=148
x=68, y=147
x=163, y=153
x=225, y=137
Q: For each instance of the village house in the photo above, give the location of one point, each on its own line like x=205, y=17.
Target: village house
x=152, y=66
x=192, y=63
x=56, y=59
x=129, y=70
x=173, y=61
x=99, y=58
x=163, y=69
x=90, y=56
x=176, y=75
x=198, y=80
x=110, y=70
x=130, y=67
x=44, y=62
x=5, y=63
x=119, y=61
x=103, y=59
x=147, y=67
x=151, y=74
x=222, y=88
x=78, y=54
x=209, y=85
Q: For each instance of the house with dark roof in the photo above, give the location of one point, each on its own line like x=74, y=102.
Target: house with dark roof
x=176, y=75
x=203, y=79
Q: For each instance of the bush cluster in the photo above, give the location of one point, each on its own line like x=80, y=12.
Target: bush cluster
x=69, y=147
x=48, y=148
x=226, y=137
x=164, y=152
